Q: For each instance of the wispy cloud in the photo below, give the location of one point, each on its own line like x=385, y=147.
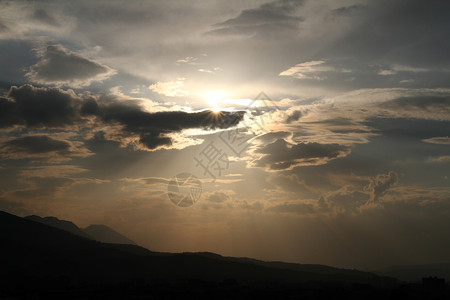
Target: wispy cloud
x=173, y=88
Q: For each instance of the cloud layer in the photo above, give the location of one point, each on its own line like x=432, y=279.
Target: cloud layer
x=124, y=120
x=59, y=66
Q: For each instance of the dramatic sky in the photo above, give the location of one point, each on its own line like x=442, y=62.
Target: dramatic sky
x=319, y=130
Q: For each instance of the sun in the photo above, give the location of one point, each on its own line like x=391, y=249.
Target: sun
x=213, y=98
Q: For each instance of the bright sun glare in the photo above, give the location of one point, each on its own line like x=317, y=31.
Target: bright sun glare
x=213, y=98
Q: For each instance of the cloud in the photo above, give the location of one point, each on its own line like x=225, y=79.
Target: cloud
x=153, y=129
x=148, y=180
x=42, y=15
x=291, y=183
x=295, y=207
x=37, y=144
x=51, y=171
x=36, y=107
x=427, y=103
x=386, y=72
x=253, y=206
x=188, y=60
x=218, y=196
x=394, y=69
x=443, y=140
x=311, y=70
x=44, y=147
x=303, y=70
x=271, y=19
x=379, y=185
x=345, y=199
x=346, y=11
x=170, y=88
x=3, y=28
x=122, y=119
x=294, y=116
x=59, y=66
x=283, y=155
x=404, y=33
x=272, y=136
x=440, y=159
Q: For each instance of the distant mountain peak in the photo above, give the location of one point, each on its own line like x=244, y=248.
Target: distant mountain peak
x=105, y=234
x=60, y=224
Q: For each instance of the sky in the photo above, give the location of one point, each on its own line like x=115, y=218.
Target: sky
x=293, y=130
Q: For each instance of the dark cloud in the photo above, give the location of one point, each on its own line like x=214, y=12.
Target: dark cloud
x=156, y=180
x=380, y=184
x=346, y=10
x=294, y=116
x=39, y=107
x=339, y=121
x=421, y=103
x=61, y=67
x=345, y=199
x=409, y=128
x=218, y=197
x=273, y=136
x=42, y=147
x=412, y=33
x=291, y=183
x=271, y=18
x=153, y=128
x=281, y=155
x=37, y=144
x=42, y=16
x=34, y=107
x=3, y=28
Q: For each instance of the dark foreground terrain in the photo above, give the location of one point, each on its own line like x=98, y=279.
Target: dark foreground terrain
x=39, y=261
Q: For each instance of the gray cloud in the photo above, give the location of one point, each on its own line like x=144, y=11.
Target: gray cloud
x=34, y=107
x=297, y=208
x=153, y=128
x=218, y=197
x=37, y=144
x=421, y=103
x=282, y=155
x=42, y=147
x=405, y=32
x=442, y=140
x=294, y=116
x=345, y=199
x=273, y=18
x=380, y=184
x=273, y=136
x=59, y=66
x=292, y=183
x=346, y=10
x=406, y=128
x=3, y=28
x=41, y=15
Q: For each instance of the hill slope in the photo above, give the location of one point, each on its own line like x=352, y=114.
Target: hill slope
x=105, y=234
x=36, y=249
x=61, y=224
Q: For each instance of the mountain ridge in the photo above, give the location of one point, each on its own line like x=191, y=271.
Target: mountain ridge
x=98, y=232
x=50, y=250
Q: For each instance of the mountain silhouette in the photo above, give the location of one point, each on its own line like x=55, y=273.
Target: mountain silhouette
x=61, y=224
x=58, y=264
x=417, y=272
x=31, y=245
x=103, y=233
